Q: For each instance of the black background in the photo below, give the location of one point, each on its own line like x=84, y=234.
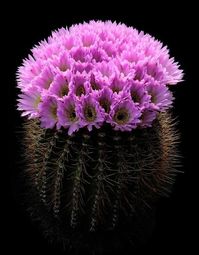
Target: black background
x=176, y=27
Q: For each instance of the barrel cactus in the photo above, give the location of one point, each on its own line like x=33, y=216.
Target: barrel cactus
x=100, y=140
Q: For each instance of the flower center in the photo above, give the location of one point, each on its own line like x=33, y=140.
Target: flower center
x=153, y=97
x=95, y=86
x=80, y=90
x=47, y=83
x=138, y=76
x=53, y=111
x=90, y=113
x=63, y=67
x=116, y=89
x=37, y=101
x=122, y=116
x=135, y=97
x=105, y=103
x=64, y=90
x=71, y=114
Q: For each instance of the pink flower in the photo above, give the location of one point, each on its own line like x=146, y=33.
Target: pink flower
x=161, y=98
x=147, y=118
x=118, y=85
x=62, y=62
x=96, y=83
x=81, y=54
x=105, y=97
x=124, y=115
x=60, y=85
x=48, y=111
x=107, y=72
x=90, y=112
x=28, y=72
x=138, y=94
x=45, y=78
x=67, y=114
x=104, y=72
x=80, y=85
x=29, y=102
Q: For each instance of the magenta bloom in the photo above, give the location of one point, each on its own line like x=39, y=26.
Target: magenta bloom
x=161, y=97
x=29, y=102
x=62, y=62
x=96, y=73
x=104, y=73
x=90, y=112
x=148, y=116
x=67, y=114
x=45, y=78
x=139, y=94
x=80, y=85
x=60, y=85
x=48, y=112
x=105, y=97
x=124, y=114
x=96, y=83
x=28, y=72
x=118, y=84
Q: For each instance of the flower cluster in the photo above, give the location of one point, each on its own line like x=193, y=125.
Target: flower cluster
x=96, y=73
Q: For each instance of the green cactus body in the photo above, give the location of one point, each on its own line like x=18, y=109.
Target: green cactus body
x=98, y=181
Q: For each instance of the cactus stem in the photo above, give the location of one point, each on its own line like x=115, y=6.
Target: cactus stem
x=100, y=179
x=46, y=160
x=79, y=180
x=62, y=164
x=120, y=171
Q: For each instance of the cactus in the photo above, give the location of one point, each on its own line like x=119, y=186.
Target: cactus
x=94, y=182
x=100, y=143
